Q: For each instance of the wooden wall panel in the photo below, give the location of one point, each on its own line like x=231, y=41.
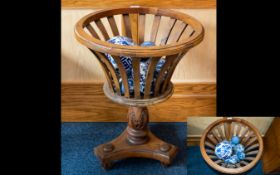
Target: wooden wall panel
x=86, y=102
x=271, y=154
x=79, y=65
x=151, y=3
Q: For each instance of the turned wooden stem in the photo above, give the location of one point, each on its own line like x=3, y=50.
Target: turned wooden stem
x=137, y=129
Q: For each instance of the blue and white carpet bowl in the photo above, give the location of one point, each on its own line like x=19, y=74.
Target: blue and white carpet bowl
x=223, y=150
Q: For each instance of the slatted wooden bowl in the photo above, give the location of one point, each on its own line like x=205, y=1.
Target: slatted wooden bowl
x=179, y=34
x=226, y=128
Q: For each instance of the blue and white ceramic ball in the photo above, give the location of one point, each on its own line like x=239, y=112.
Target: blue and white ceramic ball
x=238, y=148
x=121, y=40
x=144, y=68
x=240, y=155
x=130, y=85
x=127, y=62
x=147, y=43
x=143, y=74
x=232, y=159
x=223, y=150
x=144, y=64
x=235, y=140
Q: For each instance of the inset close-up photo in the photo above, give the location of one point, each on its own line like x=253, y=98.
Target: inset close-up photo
x=233, y=145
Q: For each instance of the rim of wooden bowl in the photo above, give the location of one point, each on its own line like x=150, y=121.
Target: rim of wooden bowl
x=138, y=51
x=231, y=170
x=137, y=102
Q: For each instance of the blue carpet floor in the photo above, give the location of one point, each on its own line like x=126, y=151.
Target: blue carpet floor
x=78, y=140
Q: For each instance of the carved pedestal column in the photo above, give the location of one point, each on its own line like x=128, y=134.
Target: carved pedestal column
x=136, y=141
x=137, y=131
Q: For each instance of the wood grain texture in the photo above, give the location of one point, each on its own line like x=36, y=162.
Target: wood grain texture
x=113, y=25
x=271, y=155
x=198, y=65
x=86, y=102
x=193, y=140
x=152, y=3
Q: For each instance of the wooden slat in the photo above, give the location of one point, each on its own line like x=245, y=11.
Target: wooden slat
x=243, y=162
x=230, y=166
x=209, y=145
x=177, y=32
x=245, y=139
x=186, y=33
x=251, y=141
x=134, y=27
x=102, y=29
x=92, y=31
x=223, y=164
x=238, y=129
x=112, y=70
x=171, y=70
x=213, y=157
x=218, y=161
x=123, y=75
x=252, y=147
x=221, y=131
x=249, y=158
x=136, y=73
x=160, y=76
x=141, y=28
x=214, y=132
x=107, y=72
x=232, y=128
x=97, y=4
x=227, y=126
x=113, y=25
x=150, y=76
x=212, y=139
x=192, y=33
x=155, y=28
x=238, y=165
x=210, y=151
x=167, y=31
x=86, y=102
x=127, y=26
x=243, y=133
x=252, y=153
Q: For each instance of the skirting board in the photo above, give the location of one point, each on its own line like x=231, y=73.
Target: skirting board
x=86, y=102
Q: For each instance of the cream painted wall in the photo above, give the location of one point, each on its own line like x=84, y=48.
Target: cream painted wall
x=196, y=125
x=79, y=65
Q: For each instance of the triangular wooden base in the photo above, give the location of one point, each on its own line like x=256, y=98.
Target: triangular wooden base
x=136, y=141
